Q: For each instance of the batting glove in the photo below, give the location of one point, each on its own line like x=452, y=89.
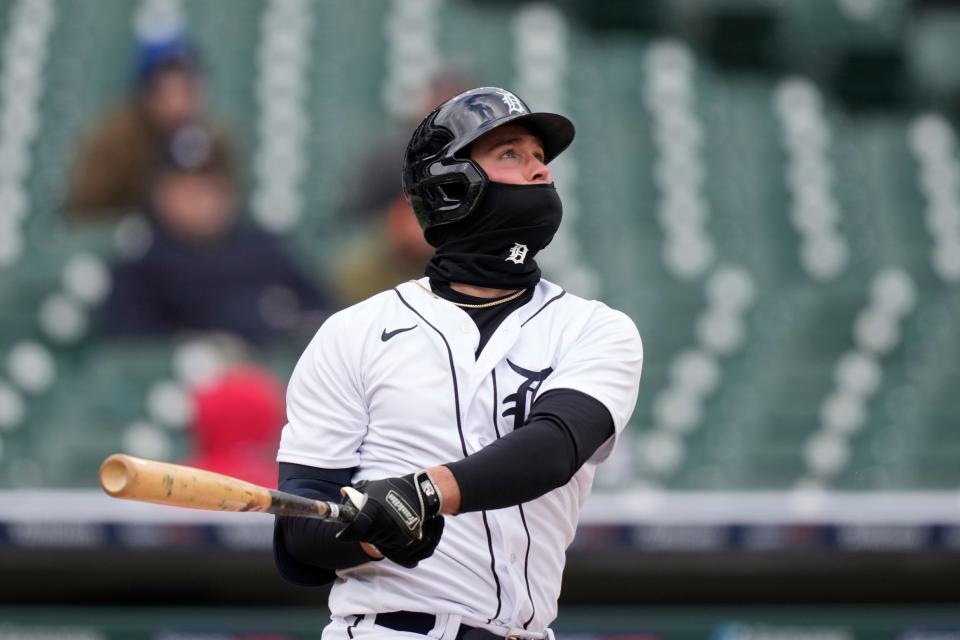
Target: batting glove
x=392, y=511
x=411, y=555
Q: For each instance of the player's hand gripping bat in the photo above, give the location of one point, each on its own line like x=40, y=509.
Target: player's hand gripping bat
x=123, y=476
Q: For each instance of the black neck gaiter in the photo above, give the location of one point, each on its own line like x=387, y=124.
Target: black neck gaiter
x=495, y=245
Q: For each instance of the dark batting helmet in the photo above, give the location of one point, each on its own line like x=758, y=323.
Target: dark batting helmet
x=441, y=182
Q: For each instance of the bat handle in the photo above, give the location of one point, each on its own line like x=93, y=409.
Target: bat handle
x=288, y=504
x=344, y=513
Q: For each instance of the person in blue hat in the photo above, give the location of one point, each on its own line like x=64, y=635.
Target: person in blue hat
x=111, y=171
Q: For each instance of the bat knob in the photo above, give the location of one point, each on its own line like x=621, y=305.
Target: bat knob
x=358, y=499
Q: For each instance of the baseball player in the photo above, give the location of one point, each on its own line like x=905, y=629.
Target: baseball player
x=465, y=412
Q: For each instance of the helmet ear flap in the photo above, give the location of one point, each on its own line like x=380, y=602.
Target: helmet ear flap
x=448, y=191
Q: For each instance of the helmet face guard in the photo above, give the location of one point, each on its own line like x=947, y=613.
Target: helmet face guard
x=440, y=181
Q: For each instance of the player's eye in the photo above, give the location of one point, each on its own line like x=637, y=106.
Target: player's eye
x=508, y=154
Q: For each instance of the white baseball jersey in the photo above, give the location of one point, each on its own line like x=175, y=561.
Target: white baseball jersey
x=392, y=385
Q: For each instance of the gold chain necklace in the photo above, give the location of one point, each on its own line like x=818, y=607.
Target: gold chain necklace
x=467, y=305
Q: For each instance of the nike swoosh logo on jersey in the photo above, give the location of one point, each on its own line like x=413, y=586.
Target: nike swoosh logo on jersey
x=387, y=335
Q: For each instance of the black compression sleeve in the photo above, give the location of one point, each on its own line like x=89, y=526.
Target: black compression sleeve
x=306, y=549
x=564, y=428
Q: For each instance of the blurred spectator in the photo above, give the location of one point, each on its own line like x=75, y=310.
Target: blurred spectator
x=204, y=269
x=111, y=171
x=377, y=183
x=393, y=254
x=393, y=250
x=236, y=425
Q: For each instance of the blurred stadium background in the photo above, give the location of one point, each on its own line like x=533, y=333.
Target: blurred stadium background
x=770, y=188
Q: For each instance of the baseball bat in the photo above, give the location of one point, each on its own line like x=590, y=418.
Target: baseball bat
x=123, y=476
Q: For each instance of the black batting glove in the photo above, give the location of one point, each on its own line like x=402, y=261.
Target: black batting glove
x=411, y=555
x=393, y=512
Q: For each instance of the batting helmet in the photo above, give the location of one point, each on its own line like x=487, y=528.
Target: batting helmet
x=441, y=182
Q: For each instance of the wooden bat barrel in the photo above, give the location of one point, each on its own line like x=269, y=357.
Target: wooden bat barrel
x=123, y=476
